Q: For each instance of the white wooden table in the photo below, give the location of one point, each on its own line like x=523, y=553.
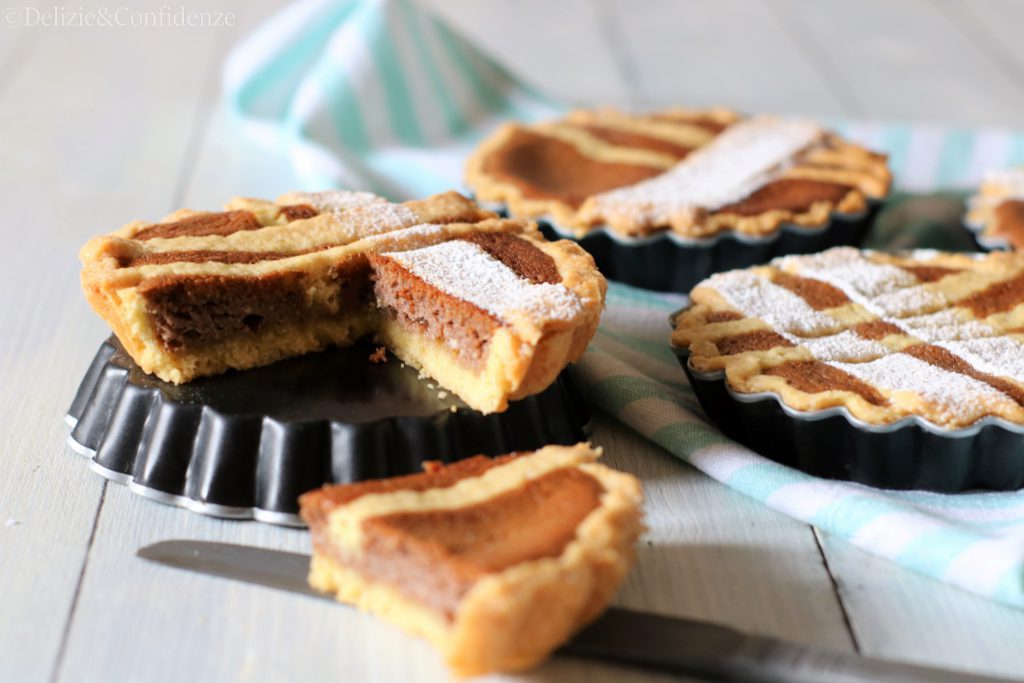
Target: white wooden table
x=99, y=126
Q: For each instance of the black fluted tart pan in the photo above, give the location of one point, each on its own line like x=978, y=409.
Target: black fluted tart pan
x=245, y=445
x=667, y=262
x=908, y=454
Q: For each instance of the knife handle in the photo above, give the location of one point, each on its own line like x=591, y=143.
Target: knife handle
x=764, y=660
x=714, y=652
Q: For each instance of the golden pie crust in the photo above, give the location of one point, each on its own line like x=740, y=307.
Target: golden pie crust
x=203, y=292
x=520, y=604
x=885, y=336
x=996, y=211
x=535, y=171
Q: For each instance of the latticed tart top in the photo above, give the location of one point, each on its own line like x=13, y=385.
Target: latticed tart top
x=996, y=212
x=931, y=334
x=696, y=173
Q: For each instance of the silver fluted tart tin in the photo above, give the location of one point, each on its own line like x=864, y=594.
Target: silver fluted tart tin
x=911, y=453
x=245, y=445
x=667, y=262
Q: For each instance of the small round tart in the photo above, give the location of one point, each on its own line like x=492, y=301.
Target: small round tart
x=879, y=346
x=996, y=213
x=706, y=182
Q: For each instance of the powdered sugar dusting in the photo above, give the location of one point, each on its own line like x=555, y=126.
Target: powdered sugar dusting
x=845, y=346
x=993, y=355
x=464, y=270
x=336, y=201
x=373, y=219
x=884, y=289
x=734, y=165
x=946, y=325
x=956, y=398
x=757, y=297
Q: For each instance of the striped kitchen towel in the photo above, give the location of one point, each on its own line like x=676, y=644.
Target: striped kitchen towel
x=376, y=94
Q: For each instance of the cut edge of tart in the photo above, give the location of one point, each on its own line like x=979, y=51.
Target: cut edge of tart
x=496, y=562
x=923, y=335
x=748, y=177
x=203, y=292
x=996, y=212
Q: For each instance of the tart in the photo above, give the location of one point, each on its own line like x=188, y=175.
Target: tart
x=483, y=305
x=666, y=203
x=495, y=561
x=925, y=340
x=996, y=213
x=551, y=169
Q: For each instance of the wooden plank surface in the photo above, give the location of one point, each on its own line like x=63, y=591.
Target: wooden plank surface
x=127, y=127
x=897, y=614
x=731, y=52
x=904, y=60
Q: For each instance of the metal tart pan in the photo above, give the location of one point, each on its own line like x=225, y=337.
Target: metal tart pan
x=667, y=262
x=986, y=242
x=245, y=445
x=911, y=453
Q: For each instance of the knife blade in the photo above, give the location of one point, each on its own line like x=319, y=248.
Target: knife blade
x=683, y=646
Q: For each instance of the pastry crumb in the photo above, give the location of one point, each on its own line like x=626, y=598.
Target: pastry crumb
x=453, y=409
x=442, y=395
x=379, y=355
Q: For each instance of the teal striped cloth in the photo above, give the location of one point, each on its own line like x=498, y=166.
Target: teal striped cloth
x=379, y=95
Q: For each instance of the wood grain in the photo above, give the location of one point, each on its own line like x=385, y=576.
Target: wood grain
x=904, y=60
x=103, y=127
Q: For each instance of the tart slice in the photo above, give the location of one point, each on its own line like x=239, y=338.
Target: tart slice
x=495, y=561
x=484, y=305
x=996, y=212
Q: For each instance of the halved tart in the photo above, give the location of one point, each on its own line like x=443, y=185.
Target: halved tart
x=484, y=305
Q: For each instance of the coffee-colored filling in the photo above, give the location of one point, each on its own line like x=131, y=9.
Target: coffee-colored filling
x=722, y=316
x=758, y=340
x=190, y=312
x=788, y=194
x=625, y=138
x=818, y=295
x=544, y=167
x=814, y=377
x=317, y=504
x=220, y=223
x=201, y=256
x=876, y=329
x=522, y=257
x=997, y=298
x=434, y=557
x=441, y=317
x=296, y=212
x=930, y=273
x=947, y=360
x=1009, y=221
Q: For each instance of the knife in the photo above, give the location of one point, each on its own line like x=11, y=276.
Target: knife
x=682, y=646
